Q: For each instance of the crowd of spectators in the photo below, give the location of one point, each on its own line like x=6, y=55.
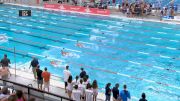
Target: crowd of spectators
x=80, y=89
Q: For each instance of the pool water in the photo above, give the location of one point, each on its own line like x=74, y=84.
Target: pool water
x=143, y=55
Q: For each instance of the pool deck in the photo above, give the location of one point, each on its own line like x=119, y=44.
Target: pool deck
x=56, y=86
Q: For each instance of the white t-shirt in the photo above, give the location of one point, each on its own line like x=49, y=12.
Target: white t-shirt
x=75, y=82
x=76, y=95
x=89, y=95
x=81, y=87
x=70, y=86
x=67, y=73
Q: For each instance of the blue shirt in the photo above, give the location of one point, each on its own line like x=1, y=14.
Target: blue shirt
x=125, y=95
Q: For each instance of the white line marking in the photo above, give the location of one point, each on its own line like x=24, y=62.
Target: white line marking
x=42, y=21
x=14, y=17
x=161, y=32
x=174, y=40
x=13, y=29
x=167, y=28
x=33, y=20
x=23, y=18
x=135, y=62
x=124, y=75
x=54, y=46
x=143, y=53
x=44, y=17
x=69, y=39
x=158, y=67
x=81, y=34
x=102, y=25
x=9, y=22
x=156, y=38
x=149, y=81
x=65, y=48
x=36, y=54
x=164, y=56
x=25, y=32
x=1, y=10
x=5, y=15
x=53, y=23
x=29, y=25
x=151, y=45
x=3, y=27
x=171, y=48
x=41, y=27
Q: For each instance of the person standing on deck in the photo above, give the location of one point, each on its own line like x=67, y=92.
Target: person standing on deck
x=34, y=64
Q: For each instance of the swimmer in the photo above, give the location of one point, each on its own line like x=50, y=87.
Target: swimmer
x=80, y=45
x=54, y=63
x=64, y=53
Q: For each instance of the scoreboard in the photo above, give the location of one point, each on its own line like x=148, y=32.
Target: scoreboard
x=24, y=12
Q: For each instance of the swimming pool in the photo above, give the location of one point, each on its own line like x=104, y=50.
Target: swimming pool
x=143, y=55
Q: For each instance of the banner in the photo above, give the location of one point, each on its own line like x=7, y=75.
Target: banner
x=77, y=9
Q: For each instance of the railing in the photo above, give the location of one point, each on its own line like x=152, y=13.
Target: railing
x=30, y=91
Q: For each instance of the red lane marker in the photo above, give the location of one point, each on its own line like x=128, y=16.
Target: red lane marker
x=148, y=65
x=162, y=84
x=137, y=78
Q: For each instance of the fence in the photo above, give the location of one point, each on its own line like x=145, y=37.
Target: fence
x=33, y=92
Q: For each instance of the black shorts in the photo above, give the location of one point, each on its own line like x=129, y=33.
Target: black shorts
x=66, y=84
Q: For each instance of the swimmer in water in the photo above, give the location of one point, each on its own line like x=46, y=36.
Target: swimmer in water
x=54, y=63
x=64, y=53
x=78, y=44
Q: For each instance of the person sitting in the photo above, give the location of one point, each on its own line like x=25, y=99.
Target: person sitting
x=20, y=96
x=78, y=44
x=4, y=94
x=64, y=53
x=143, y=97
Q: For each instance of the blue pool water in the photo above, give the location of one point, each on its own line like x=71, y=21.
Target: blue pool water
x=143, y=55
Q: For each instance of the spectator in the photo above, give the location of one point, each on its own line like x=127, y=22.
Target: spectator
x=20, y=96
x=4, y=93
x=76, y=93
x=89, y=93
x=69, y=86
x=34, y=64
x=83, y=73
x=46, y=76
x=67, y=73
x=76, y=80
x=5, y=61
x=125, y=95
x=108, y=92
x=143, y=97
x=39, y=77
x=115, y=92
x=4, y=72
x=95, y=90
x=12, y=98
x=81, y=87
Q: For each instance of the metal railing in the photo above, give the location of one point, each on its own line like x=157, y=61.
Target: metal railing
x=33, y=92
